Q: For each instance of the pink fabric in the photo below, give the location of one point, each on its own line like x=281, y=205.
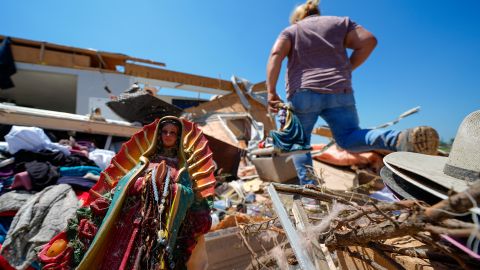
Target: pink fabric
x=339, y=157
x=461, y=246
x=81, y=152
x=22, y=180
x=123, y=232
x=126, y=256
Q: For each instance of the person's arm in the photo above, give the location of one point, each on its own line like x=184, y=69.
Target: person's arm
x=279, y=52
x=362, y=42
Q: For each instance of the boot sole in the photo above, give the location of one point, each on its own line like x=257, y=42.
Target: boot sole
x=424, y=140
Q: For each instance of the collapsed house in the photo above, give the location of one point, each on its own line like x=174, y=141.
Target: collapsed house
x=88, y=79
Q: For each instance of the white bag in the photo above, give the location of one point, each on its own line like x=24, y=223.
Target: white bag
x=31, y=139
x=101, y=157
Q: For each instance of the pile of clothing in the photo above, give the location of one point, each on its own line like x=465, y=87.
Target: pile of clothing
x=42, y=184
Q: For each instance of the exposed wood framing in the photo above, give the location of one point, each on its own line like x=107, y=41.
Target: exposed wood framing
x=323, y=131
x=231, y=104
x=111, y=59
x=44, y=53
x=49, y=57
x=177, y=77
x=260, y=87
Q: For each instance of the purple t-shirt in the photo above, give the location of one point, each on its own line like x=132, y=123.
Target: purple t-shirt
x=318, y=59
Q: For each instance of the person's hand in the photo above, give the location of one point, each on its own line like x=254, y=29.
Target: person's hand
x=273, y=102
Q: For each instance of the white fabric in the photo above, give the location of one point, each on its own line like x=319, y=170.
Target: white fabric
x=101, y=157
x=384, y=195
x=4, y=146
x=14, y=200
x=256, y=131
x=62, y=148
x=31, y=139
x=241, y=95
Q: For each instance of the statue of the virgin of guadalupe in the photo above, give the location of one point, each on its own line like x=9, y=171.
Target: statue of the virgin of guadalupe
x=149, y=209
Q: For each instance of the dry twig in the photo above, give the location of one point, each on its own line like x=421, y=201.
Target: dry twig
x=250, y=249
x=390, y=220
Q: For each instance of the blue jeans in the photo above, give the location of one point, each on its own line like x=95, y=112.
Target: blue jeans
x=340, y=113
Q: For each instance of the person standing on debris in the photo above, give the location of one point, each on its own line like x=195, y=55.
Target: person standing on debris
x=318, y=83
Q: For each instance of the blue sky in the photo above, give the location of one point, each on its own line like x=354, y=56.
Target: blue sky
x=427, y=53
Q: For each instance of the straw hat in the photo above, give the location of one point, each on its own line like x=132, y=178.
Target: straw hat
x=405, y=189
x=455, y=172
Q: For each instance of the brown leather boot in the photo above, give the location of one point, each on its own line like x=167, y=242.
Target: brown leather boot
x=421, y=139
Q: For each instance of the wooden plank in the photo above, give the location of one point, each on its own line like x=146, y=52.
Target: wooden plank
x=15, y=115
x=216, y=130
x=146, y=61
x=49, y=57
x=350, y=263
x=335, y=178
x=226, y=250
x=177, y=77
x=25, y=54
x=323, y=131
x=231, y=104
x=112, y=59
x=260, y=87
x=65, y=59
x=301, y=218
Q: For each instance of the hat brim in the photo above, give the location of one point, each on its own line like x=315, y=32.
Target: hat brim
x=404, y=189
x=424, y=184
x=426, y=166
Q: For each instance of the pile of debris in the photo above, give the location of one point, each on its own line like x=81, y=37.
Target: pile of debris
x=369, y=215
x=418, y=211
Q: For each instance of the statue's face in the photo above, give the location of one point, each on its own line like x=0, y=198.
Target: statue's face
x=169, y=135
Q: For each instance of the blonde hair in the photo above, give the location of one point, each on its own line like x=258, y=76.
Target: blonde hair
x=304, y=10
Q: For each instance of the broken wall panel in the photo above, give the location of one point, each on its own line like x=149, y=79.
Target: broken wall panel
x=226, y=250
